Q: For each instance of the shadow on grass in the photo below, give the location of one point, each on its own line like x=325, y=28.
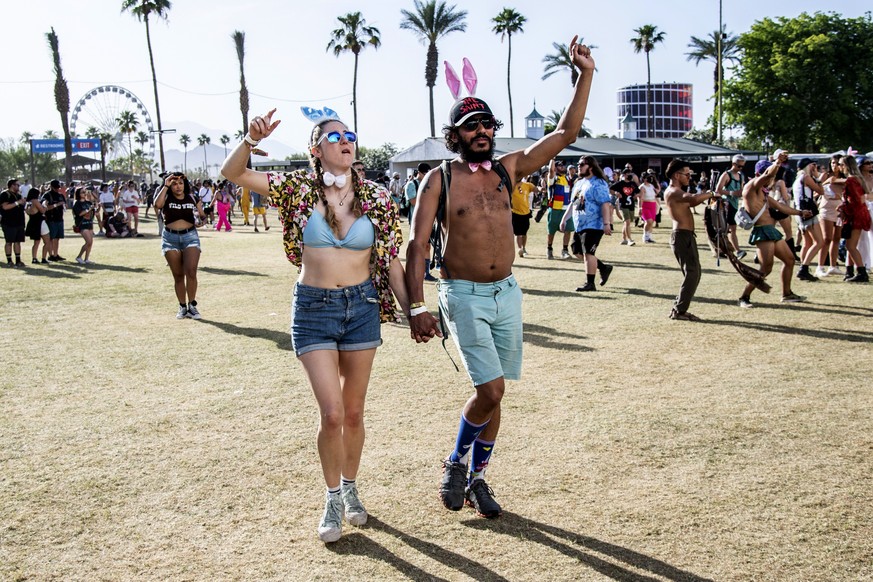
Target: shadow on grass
x=547, y=337
x=356, y=544
x=282, y=339
x=363, y=546
x=805, y=307
x=219, y=271
x=120, y=268
x=577, y=294
x=848, y=335
x=583, y=548
x=47, y=271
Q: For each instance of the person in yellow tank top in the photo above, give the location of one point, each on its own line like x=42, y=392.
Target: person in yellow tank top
x=522, y=196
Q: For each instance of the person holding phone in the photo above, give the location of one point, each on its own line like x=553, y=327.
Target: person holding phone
x=180, y=243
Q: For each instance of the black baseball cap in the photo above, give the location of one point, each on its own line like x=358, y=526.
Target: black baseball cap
x=466, y=108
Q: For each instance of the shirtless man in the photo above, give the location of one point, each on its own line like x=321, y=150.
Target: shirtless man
x=479, y=298
x=682, y=240
x=764, y=235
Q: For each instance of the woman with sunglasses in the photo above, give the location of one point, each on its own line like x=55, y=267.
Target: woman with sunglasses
x=180, y=243
x=343, y=233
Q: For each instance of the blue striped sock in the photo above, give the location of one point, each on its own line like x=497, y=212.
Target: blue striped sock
x=481, y=455
x=467, y=433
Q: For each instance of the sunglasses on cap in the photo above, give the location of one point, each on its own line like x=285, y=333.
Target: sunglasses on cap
x=473, y=124
x=335, y=136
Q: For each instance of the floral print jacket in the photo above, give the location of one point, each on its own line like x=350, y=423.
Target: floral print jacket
x=296, y=195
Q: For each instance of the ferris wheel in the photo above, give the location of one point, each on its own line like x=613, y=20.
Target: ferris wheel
x=100, y=109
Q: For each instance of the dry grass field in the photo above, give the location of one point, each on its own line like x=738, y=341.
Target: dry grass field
x=137, y=447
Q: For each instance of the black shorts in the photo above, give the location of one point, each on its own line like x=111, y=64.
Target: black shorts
x=731, y=215
x=845, y=231
x=520, y=224
x=585, y=242
x=13, y=234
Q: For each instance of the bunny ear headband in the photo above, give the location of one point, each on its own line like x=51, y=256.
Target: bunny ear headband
x=320, y=115
x=464, y=108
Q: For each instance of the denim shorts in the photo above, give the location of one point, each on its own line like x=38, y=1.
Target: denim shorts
x=484, y=319
x=56, y=229
x=345, y=319
x=175, y=241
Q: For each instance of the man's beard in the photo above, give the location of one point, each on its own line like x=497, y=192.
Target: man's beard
x=476, y=157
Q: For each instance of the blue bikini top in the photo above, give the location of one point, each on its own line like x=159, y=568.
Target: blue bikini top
x=318, y=234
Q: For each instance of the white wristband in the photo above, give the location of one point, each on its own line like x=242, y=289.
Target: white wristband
x=417, y=310
x=252, y=142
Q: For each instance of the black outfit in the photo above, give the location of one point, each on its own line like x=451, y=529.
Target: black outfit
x=626, y=192
x=12, y=220
x=55, y=214
x=34, y=222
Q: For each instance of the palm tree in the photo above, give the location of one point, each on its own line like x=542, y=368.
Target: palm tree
x=239, y=40
x=505, y=24
x=240, y=134
x=224, y=139
x=141, y=138
x=561, y=61
x=647, y=37
x=142, y=9
x=185, y=139
x=62, y=102
x=552, y=120
x=430, y=22
x=706, y=49
x=25, y=138
x=105, y=140
x=204, y=140
x=127, y=123
x=353, y=37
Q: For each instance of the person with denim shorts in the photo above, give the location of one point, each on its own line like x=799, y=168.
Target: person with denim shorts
x=342, y=231
x=479, y=298
x=180, y=244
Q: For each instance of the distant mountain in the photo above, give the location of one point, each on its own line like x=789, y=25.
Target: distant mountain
x=174, y=154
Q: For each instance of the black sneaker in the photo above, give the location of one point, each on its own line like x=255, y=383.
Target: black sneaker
x=59, y=258
x=19, y=263
x=453, y=484
x=44, y=262
x=587, y=287
x=35, y=261
x=605, y=272
x=806, y=276
x=481, y=498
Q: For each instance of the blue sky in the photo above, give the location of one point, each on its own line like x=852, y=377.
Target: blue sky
x=287, y=66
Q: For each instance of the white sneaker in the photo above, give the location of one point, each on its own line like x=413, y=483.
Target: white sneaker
x=834, y=271
x=821, y=272
x=354, y=509
x=331, y=527
x=80, y=260
x=193, y=313
x=630, y=243
x=565, y=255
x=183, y=312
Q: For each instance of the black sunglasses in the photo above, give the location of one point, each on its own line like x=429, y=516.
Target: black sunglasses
x=473, y=124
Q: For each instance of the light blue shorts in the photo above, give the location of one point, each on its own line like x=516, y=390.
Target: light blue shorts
x=484, y=320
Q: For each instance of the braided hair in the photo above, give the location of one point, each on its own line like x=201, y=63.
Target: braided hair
x=357, y=182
